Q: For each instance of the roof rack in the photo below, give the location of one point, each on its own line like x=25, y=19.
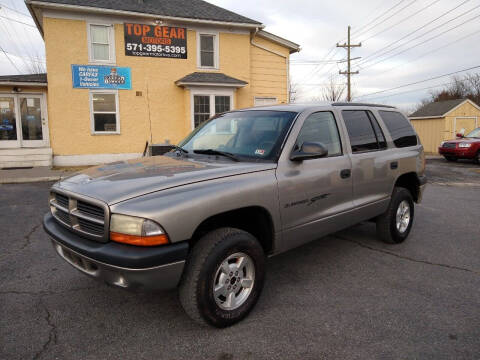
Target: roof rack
x=361, y=104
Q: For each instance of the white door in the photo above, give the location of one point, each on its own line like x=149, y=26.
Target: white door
x=34, y=128
x=9, y=122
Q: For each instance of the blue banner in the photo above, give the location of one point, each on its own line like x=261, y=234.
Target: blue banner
x=101, y=77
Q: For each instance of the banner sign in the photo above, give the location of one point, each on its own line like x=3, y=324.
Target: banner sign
x=155, y=41
x=101, y=77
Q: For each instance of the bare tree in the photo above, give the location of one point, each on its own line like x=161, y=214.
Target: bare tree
x=333, y=91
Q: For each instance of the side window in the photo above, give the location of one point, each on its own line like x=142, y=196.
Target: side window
x=104, y=112
x=321, y=127
x=101, y=43
x=208, y=51
x=360, y=131
x=400, y=129
x=382, y=144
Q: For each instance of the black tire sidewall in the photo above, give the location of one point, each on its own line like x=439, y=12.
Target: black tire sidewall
x=397, y=236
x=212, y=313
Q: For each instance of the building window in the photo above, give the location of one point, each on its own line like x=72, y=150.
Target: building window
x=207, y=105
x=101, y=43
x=208, y=51
x=201, y=109
x=265, y=101
x=104, y=112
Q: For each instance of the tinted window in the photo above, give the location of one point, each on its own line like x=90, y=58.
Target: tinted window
x=321, y=128
x=382, y=144
x=360, y=130
x=400, y=129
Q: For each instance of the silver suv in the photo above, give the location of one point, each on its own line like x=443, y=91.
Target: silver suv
x=244, y=185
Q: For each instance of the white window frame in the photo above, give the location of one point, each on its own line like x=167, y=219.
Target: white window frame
x=111, y=44
x=117, y=113
x=212, y=93
x=216, y=48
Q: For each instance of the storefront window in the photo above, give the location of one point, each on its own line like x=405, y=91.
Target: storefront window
x=31, y=115
x=104, y=112
x=8, y=127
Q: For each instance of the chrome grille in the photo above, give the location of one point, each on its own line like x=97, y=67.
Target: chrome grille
x=88, y=217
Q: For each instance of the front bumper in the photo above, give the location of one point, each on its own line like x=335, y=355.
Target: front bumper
x=461, y=153
x=126, y=266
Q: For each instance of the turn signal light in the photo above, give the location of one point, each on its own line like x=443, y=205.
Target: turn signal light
x=139, y=240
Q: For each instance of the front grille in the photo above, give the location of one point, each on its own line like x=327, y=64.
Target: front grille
x=90, y=209
x=88, y=217
x=449, y=145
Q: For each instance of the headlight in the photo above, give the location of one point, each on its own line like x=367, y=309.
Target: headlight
x=441, y=144
x=136, y=231
x=464, y=145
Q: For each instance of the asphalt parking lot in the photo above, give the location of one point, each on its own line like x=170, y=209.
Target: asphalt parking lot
x=346, y=296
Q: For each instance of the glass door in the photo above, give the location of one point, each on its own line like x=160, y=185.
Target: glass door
x=34, y=129
x=9, y=136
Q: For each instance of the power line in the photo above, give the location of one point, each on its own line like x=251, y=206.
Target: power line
x=414, y=31
x=11, y=9
x=381, y=22
x=421, y=81
x=8, y=57
x=403, y=20
x=18, y=21
x=421, y=43
x=379, y=16
x=411, y=91
x=430, y=52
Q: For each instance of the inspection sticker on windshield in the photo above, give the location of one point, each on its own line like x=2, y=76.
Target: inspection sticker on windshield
x=259, y=152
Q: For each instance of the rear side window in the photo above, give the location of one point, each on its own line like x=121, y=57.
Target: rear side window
x=363, y=131
x=400, y=129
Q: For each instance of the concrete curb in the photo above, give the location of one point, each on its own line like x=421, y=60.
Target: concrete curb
x=29, y=180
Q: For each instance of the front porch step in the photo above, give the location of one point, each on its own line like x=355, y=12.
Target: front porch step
x=25, y=157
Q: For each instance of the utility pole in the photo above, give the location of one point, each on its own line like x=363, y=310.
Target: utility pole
x=348, y=46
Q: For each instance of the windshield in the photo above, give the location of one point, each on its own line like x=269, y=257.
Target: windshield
x=474, y=134
x=250, y=135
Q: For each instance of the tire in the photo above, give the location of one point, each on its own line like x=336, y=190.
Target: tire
x=204, y=271
x=387, y=228
x=451, y=158
x=476, y=160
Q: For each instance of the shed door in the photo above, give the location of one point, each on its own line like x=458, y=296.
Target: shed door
x=464, y=125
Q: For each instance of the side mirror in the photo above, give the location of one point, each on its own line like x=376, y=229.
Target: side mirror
x=309, y=150
x=460, y=135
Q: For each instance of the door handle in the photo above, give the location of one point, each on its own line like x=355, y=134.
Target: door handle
x=394, y=165
x=345, y=173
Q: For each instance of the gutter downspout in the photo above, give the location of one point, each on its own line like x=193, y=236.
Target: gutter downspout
x=253, y=43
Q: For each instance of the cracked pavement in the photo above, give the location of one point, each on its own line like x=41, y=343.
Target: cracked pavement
x=346, y=296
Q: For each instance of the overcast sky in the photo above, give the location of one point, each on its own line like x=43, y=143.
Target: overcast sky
x=318, y=25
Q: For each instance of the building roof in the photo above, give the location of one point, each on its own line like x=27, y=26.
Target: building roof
x=193, y=9
x=33, y=79
x=437, y=109
x=210, y=78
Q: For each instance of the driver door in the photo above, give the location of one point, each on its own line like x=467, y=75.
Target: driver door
x=313, y=192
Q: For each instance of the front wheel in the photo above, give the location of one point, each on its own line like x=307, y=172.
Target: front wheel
x=395, y=224
x=477, y=158
x=451, y=158
x=223, y=277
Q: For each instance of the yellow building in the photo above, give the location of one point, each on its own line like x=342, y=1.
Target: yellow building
x=122, y=74
x=439, y=121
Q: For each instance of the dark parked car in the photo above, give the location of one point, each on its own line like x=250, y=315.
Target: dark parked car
x=464, y=147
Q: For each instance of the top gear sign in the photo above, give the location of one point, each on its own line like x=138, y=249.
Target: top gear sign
x=155, y=41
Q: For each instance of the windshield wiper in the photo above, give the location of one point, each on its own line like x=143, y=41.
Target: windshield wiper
x=175, y=147
x=216, y=152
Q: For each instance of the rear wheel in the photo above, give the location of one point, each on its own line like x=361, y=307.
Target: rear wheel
x=451, y=158
x=395, y=224
x=223, y=277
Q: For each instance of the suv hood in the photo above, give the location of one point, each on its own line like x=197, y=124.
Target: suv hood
x=124, y=180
